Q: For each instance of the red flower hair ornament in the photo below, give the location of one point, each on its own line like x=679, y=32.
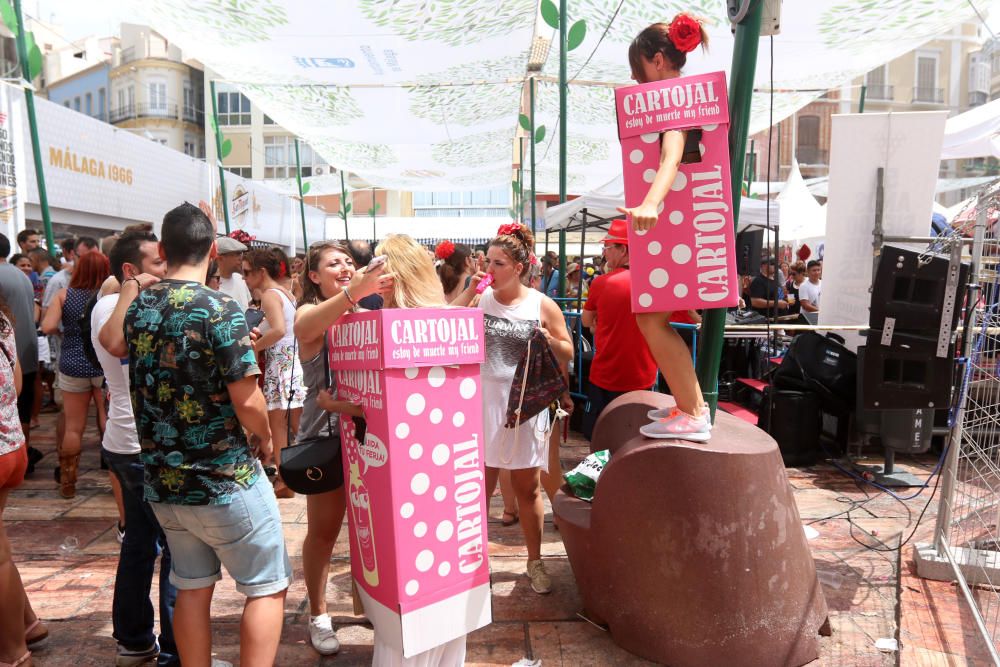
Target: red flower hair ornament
x=510, y=229
x=685, y=33
x=282, y=270
x=444, y=250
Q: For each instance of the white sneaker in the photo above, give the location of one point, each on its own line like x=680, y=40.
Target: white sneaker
x=221, y=663
x=679, y=425
x=667, y=413
x=540, y=581
x=322, y=635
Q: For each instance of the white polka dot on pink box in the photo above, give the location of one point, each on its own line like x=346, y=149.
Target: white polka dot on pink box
x=415, y=482
x=687, y=261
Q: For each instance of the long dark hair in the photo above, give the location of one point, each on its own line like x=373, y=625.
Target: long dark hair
x=656, y=39
x=452, y=267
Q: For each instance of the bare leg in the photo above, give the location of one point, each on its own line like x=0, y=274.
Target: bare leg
x=528, y=491
x=12, y=599
x=193, y=626
x=552, y=479
x=507, y=493
x=324, y=517
x=260, y=630
x=75, y=406
x=674, y=360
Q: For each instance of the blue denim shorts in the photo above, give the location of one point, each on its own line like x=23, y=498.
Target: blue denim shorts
x=246, y=536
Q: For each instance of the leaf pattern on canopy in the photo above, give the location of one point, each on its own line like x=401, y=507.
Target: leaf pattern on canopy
x=475, y=149
x=449, y=22
x=354, y=154
x=465, y=105
x=590, y=105
x=230, y=21
x=632, y=17
x=311, y=105
x=890, y=20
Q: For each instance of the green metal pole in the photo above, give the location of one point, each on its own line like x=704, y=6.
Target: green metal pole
x=302, y=202
x=36, y=148
x=218, y=156
x=343, y=205
x=520, y=179
x=531, y=140
x=861, y=104
x=740, y=95
x=562, y=140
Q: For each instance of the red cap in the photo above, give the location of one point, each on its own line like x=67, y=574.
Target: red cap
x=617, y=233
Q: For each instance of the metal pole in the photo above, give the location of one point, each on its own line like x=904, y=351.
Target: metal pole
x=562, y=140
x=861, y=104
x=343, y=204
x=531, y=123
x=36, y=148
x=740, y=93
x=218, y=156
x=520, y=179
x=948, y=473
x=302, y=203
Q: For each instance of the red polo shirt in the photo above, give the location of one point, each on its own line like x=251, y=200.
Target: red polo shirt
x=622, y=361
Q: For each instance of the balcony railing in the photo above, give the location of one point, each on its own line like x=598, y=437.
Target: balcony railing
x=166, y=111
x=928, y=95
x=811, y=155
x=879, y=92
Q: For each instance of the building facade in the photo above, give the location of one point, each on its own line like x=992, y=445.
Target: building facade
x=155, y=93
x=952, y=73
x=85, y=91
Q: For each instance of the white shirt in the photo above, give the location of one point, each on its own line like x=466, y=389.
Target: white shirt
x=235, y=287
x=120, y=436
x=810, y=292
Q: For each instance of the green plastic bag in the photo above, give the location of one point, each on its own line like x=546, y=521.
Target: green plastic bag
x=582, y=479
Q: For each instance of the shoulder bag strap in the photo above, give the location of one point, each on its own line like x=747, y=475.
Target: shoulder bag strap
x=328, y=379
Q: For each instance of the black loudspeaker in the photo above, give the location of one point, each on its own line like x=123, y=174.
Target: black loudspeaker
x=749, y=244
x=907, y=374
x=907, y=431
x=794, y=422
x=913, y=291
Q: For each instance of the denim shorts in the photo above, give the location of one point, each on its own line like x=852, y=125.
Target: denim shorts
x=246, y=536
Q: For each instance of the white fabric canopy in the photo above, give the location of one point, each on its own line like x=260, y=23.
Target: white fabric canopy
x=605, y=200
x=802, y=215
x=975, y=133
x=424, y=94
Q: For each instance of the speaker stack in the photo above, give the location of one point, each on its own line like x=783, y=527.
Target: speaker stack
x=909, y=361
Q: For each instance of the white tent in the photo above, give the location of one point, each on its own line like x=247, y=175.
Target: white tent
x=802, y=215
x=975, y=133
x=605, y=200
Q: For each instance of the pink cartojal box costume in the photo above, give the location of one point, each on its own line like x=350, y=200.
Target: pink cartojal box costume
x=687, y=261
x=416, y=485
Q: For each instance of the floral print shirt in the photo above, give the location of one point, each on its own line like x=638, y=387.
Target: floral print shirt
x=11, y=435
x=186, y=343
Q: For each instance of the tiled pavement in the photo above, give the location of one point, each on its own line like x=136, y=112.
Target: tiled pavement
x=71, y=586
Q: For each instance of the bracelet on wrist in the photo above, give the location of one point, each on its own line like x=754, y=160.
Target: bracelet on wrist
x=350, y=299
x=138, y=285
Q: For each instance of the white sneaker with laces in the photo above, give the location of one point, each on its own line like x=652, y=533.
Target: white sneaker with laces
x=680, y=426
x=322, y=635
x=665, y=413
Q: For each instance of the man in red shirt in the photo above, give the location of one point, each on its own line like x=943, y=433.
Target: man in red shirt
x=622, y=362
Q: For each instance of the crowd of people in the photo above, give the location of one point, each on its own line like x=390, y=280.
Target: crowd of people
x=205, y=356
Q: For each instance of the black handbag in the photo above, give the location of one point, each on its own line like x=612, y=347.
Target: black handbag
x=312, y=465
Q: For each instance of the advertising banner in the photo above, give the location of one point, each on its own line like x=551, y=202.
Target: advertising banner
x=11, y=167
x=688, y=260
x=414, y=475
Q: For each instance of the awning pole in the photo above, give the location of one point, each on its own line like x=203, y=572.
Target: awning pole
x=218, y=157
x=740, y=95
x=562, y=140
x=302, y=203
x=531, y=122
x=36, y=148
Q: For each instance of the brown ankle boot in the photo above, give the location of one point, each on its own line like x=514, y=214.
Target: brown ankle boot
x=67, y=475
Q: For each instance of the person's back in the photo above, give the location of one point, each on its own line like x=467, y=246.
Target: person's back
x=622, y=361
x=193, y=376
x=184, y=346
x=19, y=294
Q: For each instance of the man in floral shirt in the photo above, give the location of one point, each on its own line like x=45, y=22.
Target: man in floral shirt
x=194, y=390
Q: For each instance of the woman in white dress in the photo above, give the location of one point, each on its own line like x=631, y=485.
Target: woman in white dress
x=512, y=311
